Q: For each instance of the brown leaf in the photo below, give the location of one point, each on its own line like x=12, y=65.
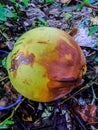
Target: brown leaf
x=87, y=113
x=73, y=32
x=28, y=118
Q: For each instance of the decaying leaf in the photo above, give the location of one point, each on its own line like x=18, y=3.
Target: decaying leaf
x=28, y=118
x=94, y=21
x=64, y=1
x=73, y=32
x=87, y=113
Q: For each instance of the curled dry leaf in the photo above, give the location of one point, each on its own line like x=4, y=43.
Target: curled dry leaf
x=87, y=113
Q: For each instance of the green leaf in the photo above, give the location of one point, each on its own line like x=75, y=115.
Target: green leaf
x=15, y=16
x=8, y=13
x=67, y=16
x=4, y=62
x=9, y=122
x=25, y=2
x=96, y=58
x=79, y=7
x=87, y=1
x=93, y=29
x=43, y=22
x=2, y=17
x=13, y=1
x=49, y=1
x=4, y=124
x=5, y=13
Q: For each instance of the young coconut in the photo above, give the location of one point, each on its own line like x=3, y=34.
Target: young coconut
x=46, y=64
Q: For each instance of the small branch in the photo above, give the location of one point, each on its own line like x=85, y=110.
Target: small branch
x=4, y=35
x=3, y=78
x=88, y=5
x=94, y=95
x=78, y=119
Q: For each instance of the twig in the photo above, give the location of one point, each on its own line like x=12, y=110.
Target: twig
x=94, y=95
x=78, y=119
x=88, y=5
x=82, y=89
x=13, y=111
x=4, y=35
x=3, y=78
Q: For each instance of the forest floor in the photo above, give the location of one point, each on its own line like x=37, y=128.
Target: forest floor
x=79, y=110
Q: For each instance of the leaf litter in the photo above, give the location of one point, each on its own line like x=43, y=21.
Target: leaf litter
x=79, y=110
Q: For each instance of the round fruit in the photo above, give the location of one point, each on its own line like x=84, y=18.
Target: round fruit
x=46, y=64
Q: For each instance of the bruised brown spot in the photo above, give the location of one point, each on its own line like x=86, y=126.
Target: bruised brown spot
x=21, y=59
x=26, y=82
x=60, y=89
x=14, y=55
x=61, y=62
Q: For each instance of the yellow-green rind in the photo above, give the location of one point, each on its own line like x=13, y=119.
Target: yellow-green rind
x=45, y=64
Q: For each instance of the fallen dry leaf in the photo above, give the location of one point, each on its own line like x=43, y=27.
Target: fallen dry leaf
x=28, y=118
x=64, y=1
x=87, y=113
x=94, y=21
